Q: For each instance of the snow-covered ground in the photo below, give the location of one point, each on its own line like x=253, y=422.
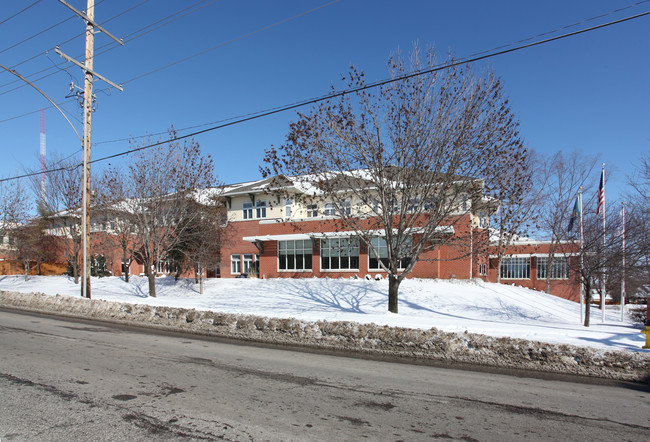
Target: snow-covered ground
x=452, y=306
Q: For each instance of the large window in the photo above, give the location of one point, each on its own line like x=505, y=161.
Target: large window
x=312, y=210
x=287, y=208
x=247, y=210
x=329, y=209
x=484, y=219
x=163, y=266
x=235, y=264
x=375, y=259
x=515, y=268
x=339, y=254
x=346, y=208
x=295, y=255
x=248, y=263
x=559, y=268
x=260, y=209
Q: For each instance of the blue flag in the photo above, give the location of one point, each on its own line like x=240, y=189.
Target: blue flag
x=574, y=215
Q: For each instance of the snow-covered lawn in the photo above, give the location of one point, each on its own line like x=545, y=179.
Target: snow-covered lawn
x=453, y=306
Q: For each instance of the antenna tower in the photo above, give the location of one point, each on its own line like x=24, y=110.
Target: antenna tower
x=42, y=151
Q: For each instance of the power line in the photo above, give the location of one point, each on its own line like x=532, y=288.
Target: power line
x=231, y=41
x=20, y=12
x=37, y=34
x=110, y=45
x=344, y=92
x=465, y=58
x=56, y=66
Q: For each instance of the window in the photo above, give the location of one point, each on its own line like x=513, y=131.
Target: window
x=346, y=208
x=483, y=269
x=559, y=268
x=329, y=209
x=248, y=263
x=340, y=254
x=515, y=268
x=484, y=220
x=235, y=264
x=465, y=202
x=260, y=209
x=429, y=204
x=382, y=254
x=312, y=210
x=295, y=255
x=247, y=209
x=126, y=264
x=163, y=266
x=287, y=208
x=414, y=205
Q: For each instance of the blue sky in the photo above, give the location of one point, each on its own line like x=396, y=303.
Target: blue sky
x=589, y=92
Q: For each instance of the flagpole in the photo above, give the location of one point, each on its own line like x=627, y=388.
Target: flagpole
x=623, y=268
x=582, y=258
x=602, y=270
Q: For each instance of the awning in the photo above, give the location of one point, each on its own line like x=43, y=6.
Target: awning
x=448, y=230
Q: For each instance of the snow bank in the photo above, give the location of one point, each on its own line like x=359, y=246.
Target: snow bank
x=348, y=336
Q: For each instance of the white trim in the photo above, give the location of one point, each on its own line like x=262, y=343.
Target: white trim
x=343, y=234
x=533, y=255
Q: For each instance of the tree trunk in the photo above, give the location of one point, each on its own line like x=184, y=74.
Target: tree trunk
x=151, y=278
x=127, y=267
x=393, y=287
x=499, y=269
x=38, y=268
x=75, y=271
x=26, y=263
x=587, y=303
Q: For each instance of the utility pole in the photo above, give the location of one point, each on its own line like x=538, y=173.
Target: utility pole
x=87, y=67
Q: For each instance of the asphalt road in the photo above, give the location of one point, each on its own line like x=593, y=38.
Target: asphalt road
x=72, y=380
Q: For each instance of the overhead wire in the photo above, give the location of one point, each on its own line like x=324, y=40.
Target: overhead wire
x=346, y=91
x=20, y=12
x=471, y=55
x=231, y=41
x=57, y=66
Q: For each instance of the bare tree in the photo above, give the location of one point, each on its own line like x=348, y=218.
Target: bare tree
x=518, y=189
x=602, y=253
x=111, y=196
x=14, y=206
x=34, y=244
x=201, y=240
x=637, y=216
x=159, y=185
x=400, y=164
x=59, y=202
x=567, y=173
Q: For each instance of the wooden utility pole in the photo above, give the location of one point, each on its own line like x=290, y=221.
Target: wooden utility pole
x=88, y=106
x=89, y=17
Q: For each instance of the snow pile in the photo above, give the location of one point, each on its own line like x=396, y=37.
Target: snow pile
x=457, y=321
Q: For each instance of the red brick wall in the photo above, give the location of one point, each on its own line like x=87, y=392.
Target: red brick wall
x=563, y=288
x=438, y=262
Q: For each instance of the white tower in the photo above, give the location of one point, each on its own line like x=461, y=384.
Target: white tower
x=42, y=153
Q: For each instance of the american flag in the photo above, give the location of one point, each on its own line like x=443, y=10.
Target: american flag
x=601, y=192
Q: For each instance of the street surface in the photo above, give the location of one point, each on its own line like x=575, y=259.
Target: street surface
x=79, y=380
